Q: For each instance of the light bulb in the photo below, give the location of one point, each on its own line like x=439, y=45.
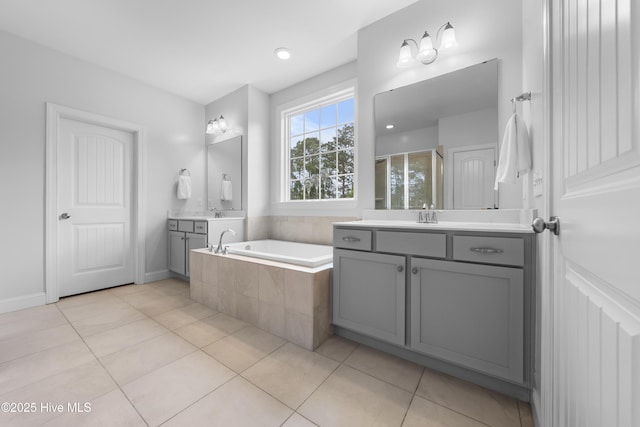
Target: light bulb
x=405, y=59
x=209, y=128
x=426, y=53
x=222, y=124
x=448, y=37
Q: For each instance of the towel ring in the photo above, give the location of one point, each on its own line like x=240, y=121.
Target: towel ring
x=185, y=172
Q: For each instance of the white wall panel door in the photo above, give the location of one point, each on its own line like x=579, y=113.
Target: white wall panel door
x=474, y=173
x=595, y=54
x=94, y=190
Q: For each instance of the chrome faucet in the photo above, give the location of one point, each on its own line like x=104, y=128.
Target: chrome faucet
x=216, y=212
x=431, y=215
x=220, y=249
x=428, y=217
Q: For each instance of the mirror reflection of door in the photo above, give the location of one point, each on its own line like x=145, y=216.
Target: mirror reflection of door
x=473, y=171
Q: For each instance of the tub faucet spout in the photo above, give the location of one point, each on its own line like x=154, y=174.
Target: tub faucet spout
x=220, y=249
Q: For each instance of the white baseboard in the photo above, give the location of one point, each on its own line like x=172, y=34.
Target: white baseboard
x=536, y=410
x=154, y=276
x=22, y=302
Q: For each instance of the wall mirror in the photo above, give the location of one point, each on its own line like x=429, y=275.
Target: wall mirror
x=437, y=141
x=224, y=174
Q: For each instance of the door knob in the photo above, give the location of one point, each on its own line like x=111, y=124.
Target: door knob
x=65, y=216
x=553, y=225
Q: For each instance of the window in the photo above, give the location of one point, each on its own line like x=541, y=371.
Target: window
x=320, y=149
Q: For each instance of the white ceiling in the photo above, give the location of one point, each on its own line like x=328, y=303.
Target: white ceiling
x=200, y=49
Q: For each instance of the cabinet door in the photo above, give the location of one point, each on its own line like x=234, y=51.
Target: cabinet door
x=177, y=247
x=469, y=314
x=194, y=241
x=369, y=294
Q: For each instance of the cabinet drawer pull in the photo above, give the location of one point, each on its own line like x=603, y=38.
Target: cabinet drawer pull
x=400, y=269
x=351, y=239
x=414, y=270
x=486, y=250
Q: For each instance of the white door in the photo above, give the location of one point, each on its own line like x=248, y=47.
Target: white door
x=94, y=192
x=474, y=173
x=596, y=193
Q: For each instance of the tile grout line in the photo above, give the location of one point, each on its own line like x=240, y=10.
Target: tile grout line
x=107, y=372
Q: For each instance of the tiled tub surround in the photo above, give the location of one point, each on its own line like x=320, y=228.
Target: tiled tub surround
x=304, y=229
x=289, y=301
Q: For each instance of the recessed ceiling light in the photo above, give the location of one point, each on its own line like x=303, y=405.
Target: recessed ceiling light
x=390, y=126
x=283, y=53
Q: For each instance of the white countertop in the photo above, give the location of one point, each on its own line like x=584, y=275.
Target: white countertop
x=204, y=218
x=442, y=225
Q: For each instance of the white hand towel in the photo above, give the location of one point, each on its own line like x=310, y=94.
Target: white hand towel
x=226, y=190
x=184, y=187
x=515, y=153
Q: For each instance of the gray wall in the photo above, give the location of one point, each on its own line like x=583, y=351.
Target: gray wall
x=485, y=30
x=32, y=75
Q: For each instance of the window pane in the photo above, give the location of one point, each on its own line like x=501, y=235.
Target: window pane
x=328, y=139
x=345, y=136
x=296, y=125
x=328, y=116
x=328, y=165
x=345, y=111
x=345, y=162
x=296, y=191
x=297, y=168
x=311, y=188
x=381, y=184
x=397, y=182
x=297, y=147
x=312, y=120
x=329, y=187
x=345, y=187
x=419, y=179
x=312, y=165
x=312, y=143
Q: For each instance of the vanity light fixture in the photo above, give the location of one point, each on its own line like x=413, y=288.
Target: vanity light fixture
x=216, y=126
x=390, y=126
x=426, y=53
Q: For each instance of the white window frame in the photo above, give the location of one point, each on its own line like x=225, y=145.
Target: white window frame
x=328, y=96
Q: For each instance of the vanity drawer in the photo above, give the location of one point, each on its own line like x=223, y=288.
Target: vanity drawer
x=185, y=226
x=200, y=227
x=489, y=250
x=431, y=245
x=352, y=239
x=173, y=225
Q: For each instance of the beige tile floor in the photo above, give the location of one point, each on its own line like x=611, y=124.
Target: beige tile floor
x=148, y=355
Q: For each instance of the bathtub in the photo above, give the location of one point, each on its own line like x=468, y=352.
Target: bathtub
x=303, y=254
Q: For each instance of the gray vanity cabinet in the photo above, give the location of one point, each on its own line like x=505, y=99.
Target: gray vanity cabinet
x=184, y=236
x=369, y=292
x=456, y=300
x=469, y=314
